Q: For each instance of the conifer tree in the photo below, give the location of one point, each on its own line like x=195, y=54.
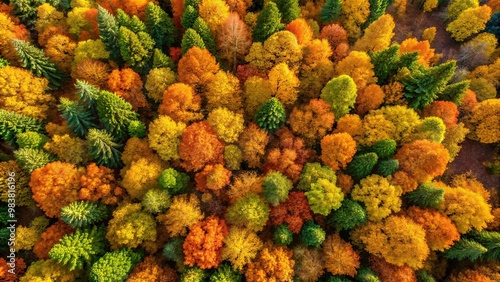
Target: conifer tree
x=27, y=10
x=362, y=165
x=30, y=139
x=330, y=11
x=102, y=148
x=35, y=61
x=115, y=114
x=31, y=159
x=161, y=60
x=465, y=249
x=135, y=48
x=87, y=94
x=160, y=26
x=490, y=240
x=426, y=195
x=133, y=23
x=12, y=123
x=283, y=235
x=201, y=27
x=191, y=39
x=289, y=9
x=377, y=9
x=114, y=266
x=387, y=167
x=384, y=148
x=77, y=117
x=271, y=115
x=84, y=213
x=348, y=216
x=312, y=235
x=189, y=16
x=108, y=32
x=455, y=92
x=268, y=22
x=387, y=62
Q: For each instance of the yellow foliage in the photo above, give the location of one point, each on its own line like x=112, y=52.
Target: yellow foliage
x=315, y=52
x=183, y=213
x=27, y=237
x=142, y=176
x=214, y=12
x=284, y=84
x=272, y=264
x=358, y=66
x=24, y=197
x=49, y=270
x=429, y=5
x=136, y=149
x=48, y=16
x=429, y=34
x=60, y=49
x=456, y=7
x=24, y=93
x=469, y=22
x=93, y=49
x=164, y=137
x=224, y=91
x=257, y=91
x=76, y=20
x=157, y=81
x=244, y=184
x=485, y=120
x=227, y=125
x=241, y=247
x=377, y=36
x=354, y=13
x=233, y=157
x=400, y=6
x=68, y=149
x=453, y=137
x=470, y=183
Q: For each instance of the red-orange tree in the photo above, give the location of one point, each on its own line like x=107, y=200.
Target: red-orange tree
x=294, y=212
x=199, y=146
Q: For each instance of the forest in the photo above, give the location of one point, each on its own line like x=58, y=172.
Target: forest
x=249, y=140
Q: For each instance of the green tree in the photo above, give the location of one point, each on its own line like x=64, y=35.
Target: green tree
x=271, y=115
x=114, y=266
x=348, y=216
x=362, y=165
x=135, y=48
x=312, y=172
x=276, y=187
x=84, y=213
x=324, y=197
x=289, y=9
x=225, y=273
x=387, y=167
x=465, y=249
x=161, y=60
x=426, y=195
x=3, y=62
x=173, y=181
x=384, y=148
x=268, y=22
x=133, y=23
x=190, y=39
x=340, y=92
x=12, y=123
x=189, y=16
x=80, y=249
x=312, y=235
x=35, y=61
x=330, y=11
x=137, y=128
x=377, y=9
x=115, y=114
x=387, y=62
x=77, y=117
x=102, y=148
x=31, y=159
x=30, y=139
x=490, y=240
x=27, y=10
x=160, y=26
x=455, y=92
x=87, y=94
x=108, y=32
x=283, y=235
x=250, y=212
x=201, y=27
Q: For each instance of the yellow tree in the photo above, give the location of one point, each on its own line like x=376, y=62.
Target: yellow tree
x=214, y=12
x=469, y=22
x=224, y=91
x=354, y=13
x=284, y=84
x=485, y=121
x=359, y=67
x=377, y=36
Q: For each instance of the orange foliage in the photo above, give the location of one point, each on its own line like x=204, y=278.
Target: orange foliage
x=314, y=53
x=55, y=186
x=313, y=120
x=90, y=16
x=60, y=49
x=469, y=101
x=9, y=31
x=369, y=99
x=389, y=272
x=339, y=256
x=239, y=6
x=178, y=10
x=93, y=71
x=233, y=38
x=470, y=275
x=294, y=212
x=151, y=269
x=426, y=53
x=213, y=177
x=272, y=264
x=423, y=159
x=49, y=238
x=49, y=32
x=301, y=29
x=344, y=182
x=351, y=124
x=244, y=184
x=337, y=38
x=337, y=150
x=394, y=92
x=131, y=7
x=199, y=146
x=203, y=245
x=99, y=183
x=20, y=269
x=403, y=180
x=253, y=142
x=127, y=84
x=181, y=103
x=446, y=110
x=197, y=67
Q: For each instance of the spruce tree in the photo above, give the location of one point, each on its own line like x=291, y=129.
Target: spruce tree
x=191, y=39
x=87, y=94
x=283, y=235
x=31, y=159
x=84, y=213
x=108, y=32
x=330, y=11
x=12, y=123
x=115, y=114
x=268, y=22
x=77, y=117
x=102, y=148
x=189, y=16
x=26, y=11
x=271, y=115
x=34, y=60
x=160, y=26
x=137, y=128
x=384, y=148
x=465, y=249
x=490, y=240
x=385, y=63
x=362, y=165
x=387, y=167
x=201, y=27
x=133, y=23
x=348, y=216
x=377, y=9
x=455, y=92
x=136, y=49
x=289, y=9
x=114, y=266
x=161, y=60
x=426, y=195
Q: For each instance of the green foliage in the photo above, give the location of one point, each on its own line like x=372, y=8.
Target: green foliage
x=173, y=250
x=34, y=60
x=115, y=113
x=189, y=16
x=27, y=10
x=88, y=94
x=3, y=62
x=161, y=60
x=160, y=26
x=108, y=32
x=276, y=187
x=30, y=139
x=386, y=63
x=424, y=276
x=493, y=25
x=423, y=85
x=191, y=39
x=268, y=22
x=133, y=23
x=156, y=201
x=333, y=278
x=312, y=235
x=283, y=235
x=12, y=123
x=271, y=115
x=289, y=9
x=348, y=216
x=137, y=128
x=432, y=128
x=102, y=148
x=31, y=159
x=201, y=27
x=79, y=119
x=114, y=266
x=312, y=172
x=330, y=11
x=361, y=166
x=465, y=249
x=250, y=212
x=80, y=249
x=490, y=240
x=366, y=275
x=192, y=3
x=84, y=213
x=225, y=273
x=173, y=182
x=377, y=9
x=135, y=48
x=387, y=167
x=455, y=92
x=340, y=93
x=426, y=195
x=384, y=148
x=324, y=197
x=194, y=274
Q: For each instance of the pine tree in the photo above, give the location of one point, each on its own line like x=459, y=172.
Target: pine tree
x=133, y=23
x=455, y=92
x=11, y=124
x=108, y=32
x=31, y=159
x=160, y=26
x=137, y=128
x=271, y=115
x=377, y=9
x=114, y=266
x=423, y=85
x=387, y=62
x=490, y=240
x=161, y=60
x=136, y=49
x=361, y=166
x=191, y=39
x=102, y=148
x=87, y=94
x=330, y=11
x=268, y=22
x=26, y=11
x=426, y=195
x=465, y=249
x=384, y=148
x=77, y=117
x=189, y=16
x=201, y=27
x=366, y=275
x=84, y=213
x=312, y=235
x=115, y=114
x=348, y=216
x=80, y=249
x=289, y=9
x=387, y=167
x=35, y=61
x=283, y=235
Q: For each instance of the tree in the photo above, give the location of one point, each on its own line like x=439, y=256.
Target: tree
x=141, y=176
x=272, y=264
x=465, y=249
x=164, y=137
x=324, y=197
x=214, y=13
x=99, y=184
x=330, y=11
x=362, y=165
x=49, y=238
x=233, y=40
x=358, y=66
x=200, y=146
x=60, y=50
x=455, y=8
x=276, y=187
x=271, y=115
x=337, y=150
x=426, y=195
x=284, y=84
x=227, y=125
x=387, y=62
x=151, y=269
x=447, y=111
x=206, y=35
x=301, y=29
x=337, y=38
x=48, y=270
x=115, y=265
x=115, y=113
x=377, y=9
x=340, y=93
x=159, y=26
x=312, y=121
x=340, y=257
x=191, y=39
x=102, y=148
x=224, y=91
x=369, y=99
x=348, y=216
x=241, y=247
x=183, y=213
x=160, y=60
x=353, y=15
x=31, y=159
x=469, y=22
x=252, y=143
x=135, y=48
x=493, y=25
x=181, y=103
x=312, y=235
x=389, y=272
x=378, y=35
x=425, y=52
x=289, y=9
x=268, y=22
x=189, y=16
x=250, y=212
x=484, y=120
x=108, y=30
x=12, y=123
x=157, y=81
x=226, y=273
x=293, y=212
x=197, y=67
x=127, y=84
x=83, y=213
